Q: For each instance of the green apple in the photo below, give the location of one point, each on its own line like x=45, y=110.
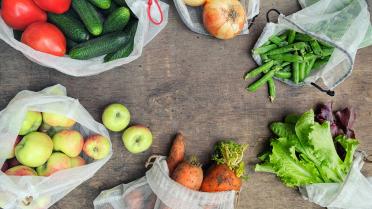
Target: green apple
x=21, y=170
x=116, y=117
x=54, y=119
x=31, y=122
x=77, y=162
x=51, y=130
x=57, y=161
x=137, y=139
x=34, y=149
x=12, y=152
x=69, y=142
x=97, y=147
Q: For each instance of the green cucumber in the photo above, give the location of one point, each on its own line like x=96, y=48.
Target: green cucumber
x=110, y=10
x=89, y=15
x=117, y=20
x=121, y=2
x=100, y=46
x=127, y=49
x=71, y=27
x=103, y=4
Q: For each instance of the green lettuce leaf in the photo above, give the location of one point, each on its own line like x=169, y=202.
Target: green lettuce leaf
x=304, y=152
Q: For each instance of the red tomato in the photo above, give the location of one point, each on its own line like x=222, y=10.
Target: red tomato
x=45, y=37
x=55, y=6
x=18, y=14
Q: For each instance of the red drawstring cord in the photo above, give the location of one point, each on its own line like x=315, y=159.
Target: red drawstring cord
x=149, y=12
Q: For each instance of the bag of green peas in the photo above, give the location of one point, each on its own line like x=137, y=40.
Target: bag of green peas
x=318, y=43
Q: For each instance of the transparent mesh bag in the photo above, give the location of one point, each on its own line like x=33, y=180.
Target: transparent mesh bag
x=146, y=31
x=156, y=190
x=354, y=193
x=341, y=25
x=192, y=16
x=35, y=192
x=367, y=40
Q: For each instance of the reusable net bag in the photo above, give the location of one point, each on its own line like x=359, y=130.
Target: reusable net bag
x=156, y=190
x=146, y=31
x=367, y=40
x=35, y=192
x=354, y=193
x=192, y=16
x=343, y=26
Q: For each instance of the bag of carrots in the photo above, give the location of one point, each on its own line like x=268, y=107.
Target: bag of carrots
x=179, y=182
x=316, y=43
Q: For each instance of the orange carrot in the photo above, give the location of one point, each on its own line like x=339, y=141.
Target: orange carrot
x=221, y=178
x=189, y=174
x=176, y=153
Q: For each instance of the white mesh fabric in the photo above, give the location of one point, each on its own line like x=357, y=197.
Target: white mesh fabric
x=158, y=191
x=45, y=191
x=341, y=25
x=354, y=193
x=146, y=31
x=192, y=16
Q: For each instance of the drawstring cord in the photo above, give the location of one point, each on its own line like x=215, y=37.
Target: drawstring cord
x=149, y=6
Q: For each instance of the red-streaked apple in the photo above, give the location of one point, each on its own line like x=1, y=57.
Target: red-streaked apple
x=54, y=119
x=77, y=162
x=34, y=149
x=116, y=117
x=57, y=161
x=97, y=147
x=137, y=139
x=12, y=152
x=31, y=122
x=5, y=166
x=21, y=170
x=69, y=142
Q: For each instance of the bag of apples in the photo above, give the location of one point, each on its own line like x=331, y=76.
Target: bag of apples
x=175, y=182
x=209, y=17
x=49, y=145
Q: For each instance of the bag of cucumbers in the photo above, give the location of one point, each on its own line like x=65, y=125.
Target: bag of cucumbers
x=318, y=42
x=100, y=35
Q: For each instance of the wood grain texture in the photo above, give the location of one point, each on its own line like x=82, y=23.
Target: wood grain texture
x=192, y=83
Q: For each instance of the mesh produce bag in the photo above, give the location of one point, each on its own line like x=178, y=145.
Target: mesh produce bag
x=146, y=31
x=157, y=190
x=192, y=16
x=367, y=40
x=354, y=193
x=35, y=192
x=343, y=26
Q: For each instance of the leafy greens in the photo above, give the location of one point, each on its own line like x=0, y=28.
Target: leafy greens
x=304, y=152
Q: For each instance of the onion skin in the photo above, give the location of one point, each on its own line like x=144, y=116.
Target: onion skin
x=224, y=19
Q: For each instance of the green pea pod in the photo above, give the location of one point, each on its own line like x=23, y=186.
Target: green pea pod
x=283, y=36
x=309, y=66
x=327, y=52
x=291, y=36
x=319, y=63
x=296, y=72
x=286, y=57
x=265, y=58
x=303, y=37
x=264, y=49
x=302, y=70
x=257, y=71
x=316, y=47
x=288, y=48
x=260, y=82
x=278, y=41
x=272, y=89
x=310, y=56
x=283, y=74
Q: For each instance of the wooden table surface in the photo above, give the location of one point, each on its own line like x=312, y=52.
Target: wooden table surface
x=193, y=83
